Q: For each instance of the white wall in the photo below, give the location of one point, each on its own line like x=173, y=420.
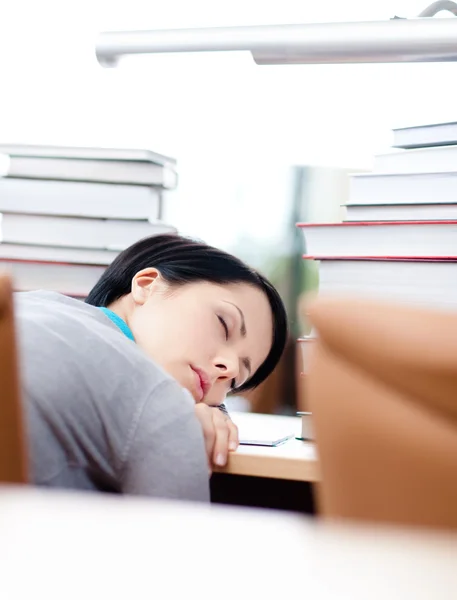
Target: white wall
x=234, y=126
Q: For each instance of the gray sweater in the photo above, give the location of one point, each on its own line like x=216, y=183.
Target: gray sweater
x=100, y=414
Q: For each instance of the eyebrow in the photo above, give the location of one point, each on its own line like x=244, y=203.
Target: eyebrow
x=246, y=361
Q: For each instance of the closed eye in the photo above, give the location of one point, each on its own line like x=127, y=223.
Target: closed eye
x=224, y=325
x=226, y=332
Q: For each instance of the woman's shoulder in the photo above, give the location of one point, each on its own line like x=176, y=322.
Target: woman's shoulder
x=80, y=338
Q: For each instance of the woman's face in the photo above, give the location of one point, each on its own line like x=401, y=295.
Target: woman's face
x=209, y=337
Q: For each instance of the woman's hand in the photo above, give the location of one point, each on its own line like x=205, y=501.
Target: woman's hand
x=221, y=434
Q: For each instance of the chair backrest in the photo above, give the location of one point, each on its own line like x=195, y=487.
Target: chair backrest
x=382, y=387
x=13, y=457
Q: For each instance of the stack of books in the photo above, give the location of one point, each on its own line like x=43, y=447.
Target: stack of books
x=67, y=212
x=399, y=238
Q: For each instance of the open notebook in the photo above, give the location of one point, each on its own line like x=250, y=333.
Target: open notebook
x=263, y=430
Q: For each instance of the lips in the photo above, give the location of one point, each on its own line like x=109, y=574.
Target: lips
x=203, y=383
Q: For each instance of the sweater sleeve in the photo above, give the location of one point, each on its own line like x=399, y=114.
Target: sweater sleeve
x=165, y=456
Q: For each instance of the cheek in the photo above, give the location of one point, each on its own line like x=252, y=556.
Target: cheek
x=150, y=332
x=192, y=326
x=174, y=335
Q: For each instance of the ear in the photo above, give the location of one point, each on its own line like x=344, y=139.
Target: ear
x=144, y=283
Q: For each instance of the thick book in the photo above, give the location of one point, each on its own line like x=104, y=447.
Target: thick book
x=71, y=279
x=381, y=238
x=403, y=188
x=401, y=212
x=307, y=433
x=423, y=280
x=103, y=171
x=31, y=252
x=436, y=134
x=77, y=232
x=86, y=153
x=422, y=160
x=305, y=343
x=80, y=199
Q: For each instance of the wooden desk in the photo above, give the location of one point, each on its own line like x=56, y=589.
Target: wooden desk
x=294, y=460
x=268, y=477
x=78, y=546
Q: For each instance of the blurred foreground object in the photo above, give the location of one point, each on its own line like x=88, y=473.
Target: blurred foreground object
x=274, y=554
x=382, y=387
x=12, y=446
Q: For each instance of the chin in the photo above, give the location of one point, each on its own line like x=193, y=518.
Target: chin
x=189, y=388
x=192, y=393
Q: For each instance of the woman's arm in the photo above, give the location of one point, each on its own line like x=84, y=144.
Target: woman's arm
x=221, y=434
x=165, y=456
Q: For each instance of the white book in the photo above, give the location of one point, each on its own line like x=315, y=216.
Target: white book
x=76, y=232
x=86, y=153
x=71, y=279
x=401, y=212
x=436, y=134
x=422, y=282
x=423, y=160
x=103, y=171
x=79, y=199
x=404, y=188
x=29, y=252
x=265, y=430
x=380, y=239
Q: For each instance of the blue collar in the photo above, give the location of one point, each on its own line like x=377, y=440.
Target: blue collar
x=116, y=319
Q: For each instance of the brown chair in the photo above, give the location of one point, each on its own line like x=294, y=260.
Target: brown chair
x=382, y=387
x=13, y=459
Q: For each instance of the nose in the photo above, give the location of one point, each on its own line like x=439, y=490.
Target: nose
x=227, y=366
